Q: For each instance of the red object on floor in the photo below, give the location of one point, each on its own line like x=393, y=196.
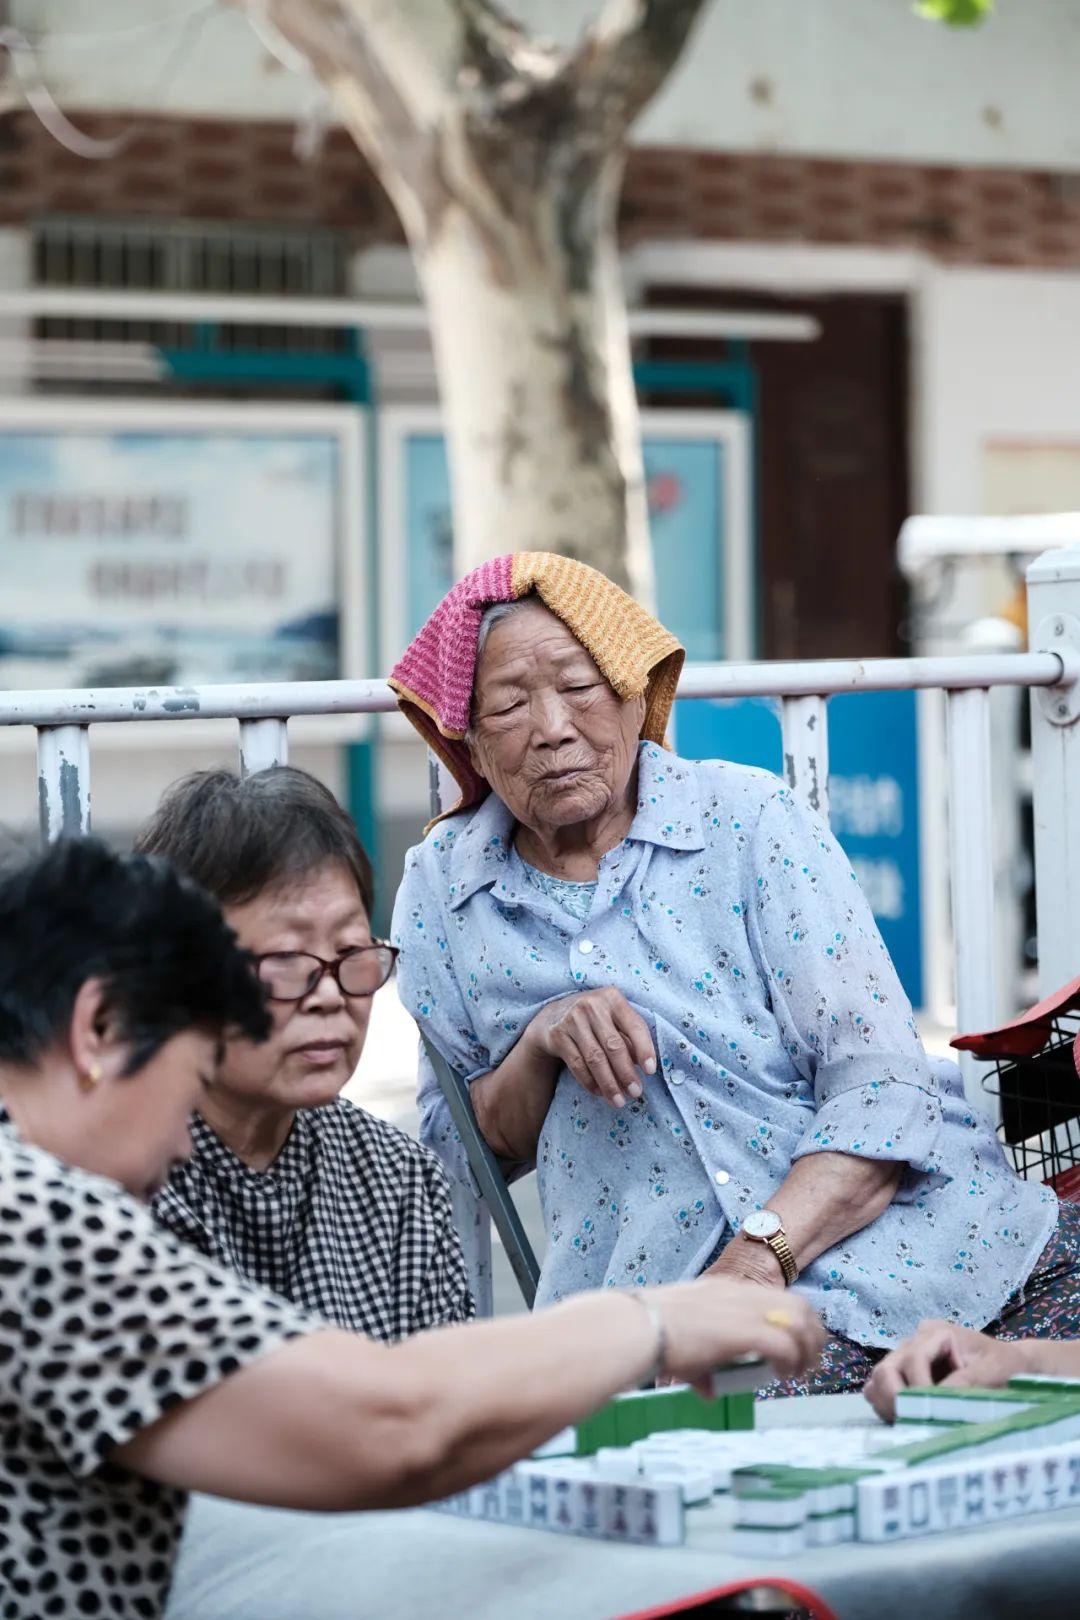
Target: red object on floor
x=778, y=1583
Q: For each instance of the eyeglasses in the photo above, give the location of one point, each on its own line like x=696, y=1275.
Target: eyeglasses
x=293, y=975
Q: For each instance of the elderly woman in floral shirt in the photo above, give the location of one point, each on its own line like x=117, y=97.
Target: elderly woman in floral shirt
x=666, y=991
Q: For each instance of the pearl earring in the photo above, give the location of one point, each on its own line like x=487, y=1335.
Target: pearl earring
x=93, y=1074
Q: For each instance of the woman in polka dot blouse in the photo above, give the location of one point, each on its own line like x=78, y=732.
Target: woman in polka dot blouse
x=132, y=1368
x=666, y=991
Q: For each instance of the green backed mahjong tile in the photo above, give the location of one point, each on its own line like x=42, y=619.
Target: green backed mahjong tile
x=970, y=1436
x=662, y=1410
x=596, y=1431
x=757, y=1477
x=975, y=1398
x=1043, y=1388
x=635, y=1416
x=772, y=1493
x=631, y=1421
x=740, y=1411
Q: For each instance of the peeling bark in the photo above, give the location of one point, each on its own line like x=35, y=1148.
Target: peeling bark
x=503, y=157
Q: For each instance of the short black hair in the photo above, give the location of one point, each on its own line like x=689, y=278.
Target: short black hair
x=159, y=944
x=242, y=836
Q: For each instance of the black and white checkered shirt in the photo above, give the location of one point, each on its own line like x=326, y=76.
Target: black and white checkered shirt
x=352, y=1221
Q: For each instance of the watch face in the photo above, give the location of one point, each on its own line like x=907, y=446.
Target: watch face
x=763, y=1223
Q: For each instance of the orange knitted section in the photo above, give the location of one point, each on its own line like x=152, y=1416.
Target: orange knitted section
x=631, y=649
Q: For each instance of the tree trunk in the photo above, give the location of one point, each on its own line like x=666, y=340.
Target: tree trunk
x=533, y=362
x=503, y=157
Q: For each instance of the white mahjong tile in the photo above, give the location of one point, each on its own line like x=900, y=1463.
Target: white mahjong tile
x=512, y=1497
x=1025, y=1484
x=641, y=1514
x=768, y=1512
x=974, y=1488
x=828, y=1530
x=537, y=1502
x=1052, y=1477
x=767, y=1543
x=563, y=1444
x=948, y=1499
x=592, y=1504
x=880, y=1508
x=564, y=1505
x=912, y=1406
x=695, y=1484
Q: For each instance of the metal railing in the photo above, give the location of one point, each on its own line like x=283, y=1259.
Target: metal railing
x=64, y=720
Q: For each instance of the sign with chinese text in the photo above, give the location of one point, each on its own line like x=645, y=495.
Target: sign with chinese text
x=137, y=552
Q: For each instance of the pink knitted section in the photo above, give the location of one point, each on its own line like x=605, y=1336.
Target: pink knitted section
x=437, y=668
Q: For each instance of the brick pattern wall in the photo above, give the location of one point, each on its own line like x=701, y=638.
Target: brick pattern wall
x=198, y=169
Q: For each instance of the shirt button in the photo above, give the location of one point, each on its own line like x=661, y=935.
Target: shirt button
x=585, y=946
x=675, y=1078
x=721, y=1178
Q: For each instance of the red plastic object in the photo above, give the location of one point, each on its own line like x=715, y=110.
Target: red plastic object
x=1023, y=1036
x=800, y=1594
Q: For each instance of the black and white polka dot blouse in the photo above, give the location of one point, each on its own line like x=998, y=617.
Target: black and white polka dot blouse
x=106, y=1322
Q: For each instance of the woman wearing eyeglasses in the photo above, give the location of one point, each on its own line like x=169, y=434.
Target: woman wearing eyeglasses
x=290, y=1185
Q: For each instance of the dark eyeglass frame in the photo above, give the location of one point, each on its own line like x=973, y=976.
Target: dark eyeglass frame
x=332, y=967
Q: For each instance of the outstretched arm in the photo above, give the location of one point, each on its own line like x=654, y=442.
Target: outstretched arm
x=333, y=1421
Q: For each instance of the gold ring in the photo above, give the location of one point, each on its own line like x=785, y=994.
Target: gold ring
x=778, y=1318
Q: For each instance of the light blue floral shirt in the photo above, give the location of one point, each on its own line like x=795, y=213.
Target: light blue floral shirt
x=730, y=919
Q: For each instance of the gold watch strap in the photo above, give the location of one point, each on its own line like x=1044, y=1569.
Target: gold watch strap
x=782, y=1249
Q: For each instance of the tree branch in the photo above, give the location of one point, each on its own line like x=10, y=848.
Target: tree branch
x=624, y=58
x=500, y=48
x=410, y=48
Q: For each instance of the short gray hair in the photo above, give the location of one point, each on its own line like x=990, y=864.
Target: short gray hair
x=491, y=617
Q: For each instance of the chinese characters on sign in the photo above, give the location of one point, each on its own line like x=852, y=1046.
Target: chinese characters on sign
x=872, y=807
x=172, y=557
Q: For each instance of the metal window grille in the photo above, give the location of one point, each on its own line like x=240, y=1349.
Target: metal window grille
x=191, y=257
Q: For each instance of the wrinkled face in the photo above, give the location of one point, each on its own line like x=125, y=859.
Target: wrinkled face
x=316, y=1043
x=134, y=1128
x=549, y=734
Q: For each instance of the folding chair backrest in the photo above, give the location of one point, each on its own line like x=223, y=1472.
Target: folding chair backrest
x=494, y=1192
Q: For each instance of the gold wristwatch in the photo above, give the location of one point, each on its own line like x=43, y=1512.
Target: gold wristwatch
x=765, y=1226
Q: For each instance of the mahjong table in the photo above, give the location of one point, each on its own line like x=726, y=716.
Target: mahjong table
x=247, y=1563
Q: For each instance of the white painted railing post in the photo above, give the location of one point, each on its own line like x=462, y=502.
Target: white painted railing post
x=63, y=781
x=971, y=857
x=805, y=728
x=263, y=743
x=1053, y=582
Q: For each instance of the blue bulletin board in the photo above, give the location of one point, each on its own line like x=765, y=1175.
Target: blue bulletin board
x=697, y=476
x=873, y=796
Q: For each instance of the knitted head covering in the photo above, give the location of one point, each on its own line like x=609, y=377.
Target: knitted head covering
x=434, y=677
